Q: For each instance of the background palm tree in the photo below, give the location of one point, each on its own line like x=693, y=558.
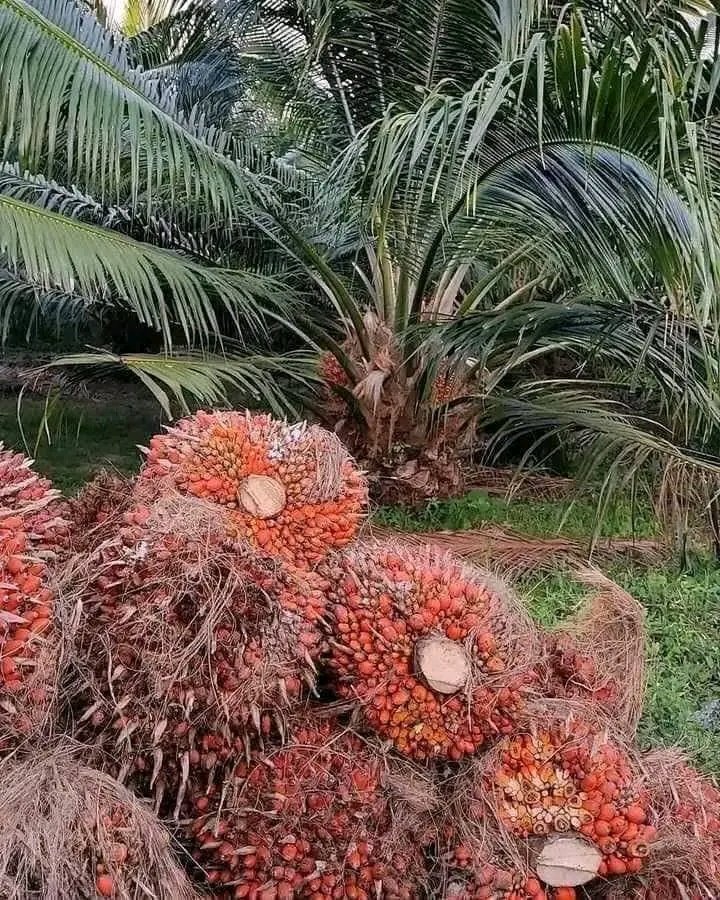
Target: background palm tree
x=496, y=213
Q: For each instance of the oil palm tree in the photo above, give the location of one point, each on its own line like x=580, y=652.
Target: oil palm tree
x=502, y=158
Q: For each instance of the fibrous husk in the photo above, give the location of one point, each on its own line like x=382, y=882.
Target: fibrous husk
x=324, y=816
x=319, y=496
x=566, y=776
x=70, y=831
x=389, y=605
x=32, y=531
x=189, y=647
x=599, y=655
x=96, y=512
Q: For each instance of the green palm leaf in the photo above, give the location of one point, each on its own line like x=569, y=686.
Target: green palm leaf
x=160, y=287
x=253, y=381
x=66, y=89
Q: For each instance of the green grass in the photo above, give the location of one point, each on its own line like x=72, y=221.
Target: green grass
x=79, y=438
x=533, y=517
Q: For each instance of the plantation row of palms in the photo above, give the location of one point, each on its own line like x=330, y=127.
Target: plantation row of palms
x=469, y=225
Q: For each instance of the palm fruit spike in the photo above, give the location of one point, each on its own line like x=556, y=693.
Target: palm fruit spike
x=25, y=493
x=571, y=780
x=313, y=819
x=31, y=529
x=193, y=645
x=292, y=490
x=71, y=831
x=331, y=372
x=436, y=652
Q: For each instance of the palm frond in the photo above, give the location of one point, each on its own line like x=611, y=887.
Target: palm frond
x=67, y=90
x=163, y=289
x=175, y=380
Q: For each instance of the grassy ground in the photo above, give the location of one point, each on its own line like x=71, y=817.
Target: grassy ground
x=683, y=608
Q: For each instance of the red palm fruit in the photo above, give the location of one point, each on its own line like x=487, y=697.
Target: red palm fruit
x=313, y=819
x=32, y=530
x=473, y=879
x=436, y=653
x=292, y=490
x=193, y=645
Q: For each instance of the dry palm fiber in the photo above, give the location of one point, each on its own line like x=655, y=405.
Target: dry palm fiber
x=439, y=655
x=292, y=490
x=599, y=655
x=518, y=484
x=325, y=816
x=189, y=644
x=69, y=831
x=96, y=512
x=563, y=798
x=31, y=531
x=517, y=554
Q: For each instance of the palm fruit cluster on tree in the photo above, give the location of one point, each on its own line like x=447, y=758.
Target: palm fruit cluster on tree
x=32, y=529
x=249, y=667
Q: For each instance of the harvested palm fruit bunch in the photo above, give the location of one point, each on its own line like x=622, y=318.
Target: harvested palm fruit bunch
x=317, y=818
x=292, y=490
x=192, y=645
x=438, y=655
x=685, y=859
x=96, y=512
x=69, y=831
x=599, y=656
x=574, y=795
x=31, y=528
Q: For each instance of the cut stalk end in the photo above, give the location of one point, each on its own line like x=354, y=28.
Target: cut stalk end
x=262, y=496
x=443, y=663
x=567, y=861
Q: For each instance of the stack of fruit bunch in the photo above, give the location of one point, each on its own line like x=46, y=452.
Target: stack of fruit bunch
x=32, y=530
x=72, y=831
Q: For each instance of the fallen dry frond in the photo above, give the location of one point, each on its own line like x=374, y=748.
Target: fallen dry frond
x=516, y=554
x=516, y=484
x=69, y=831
